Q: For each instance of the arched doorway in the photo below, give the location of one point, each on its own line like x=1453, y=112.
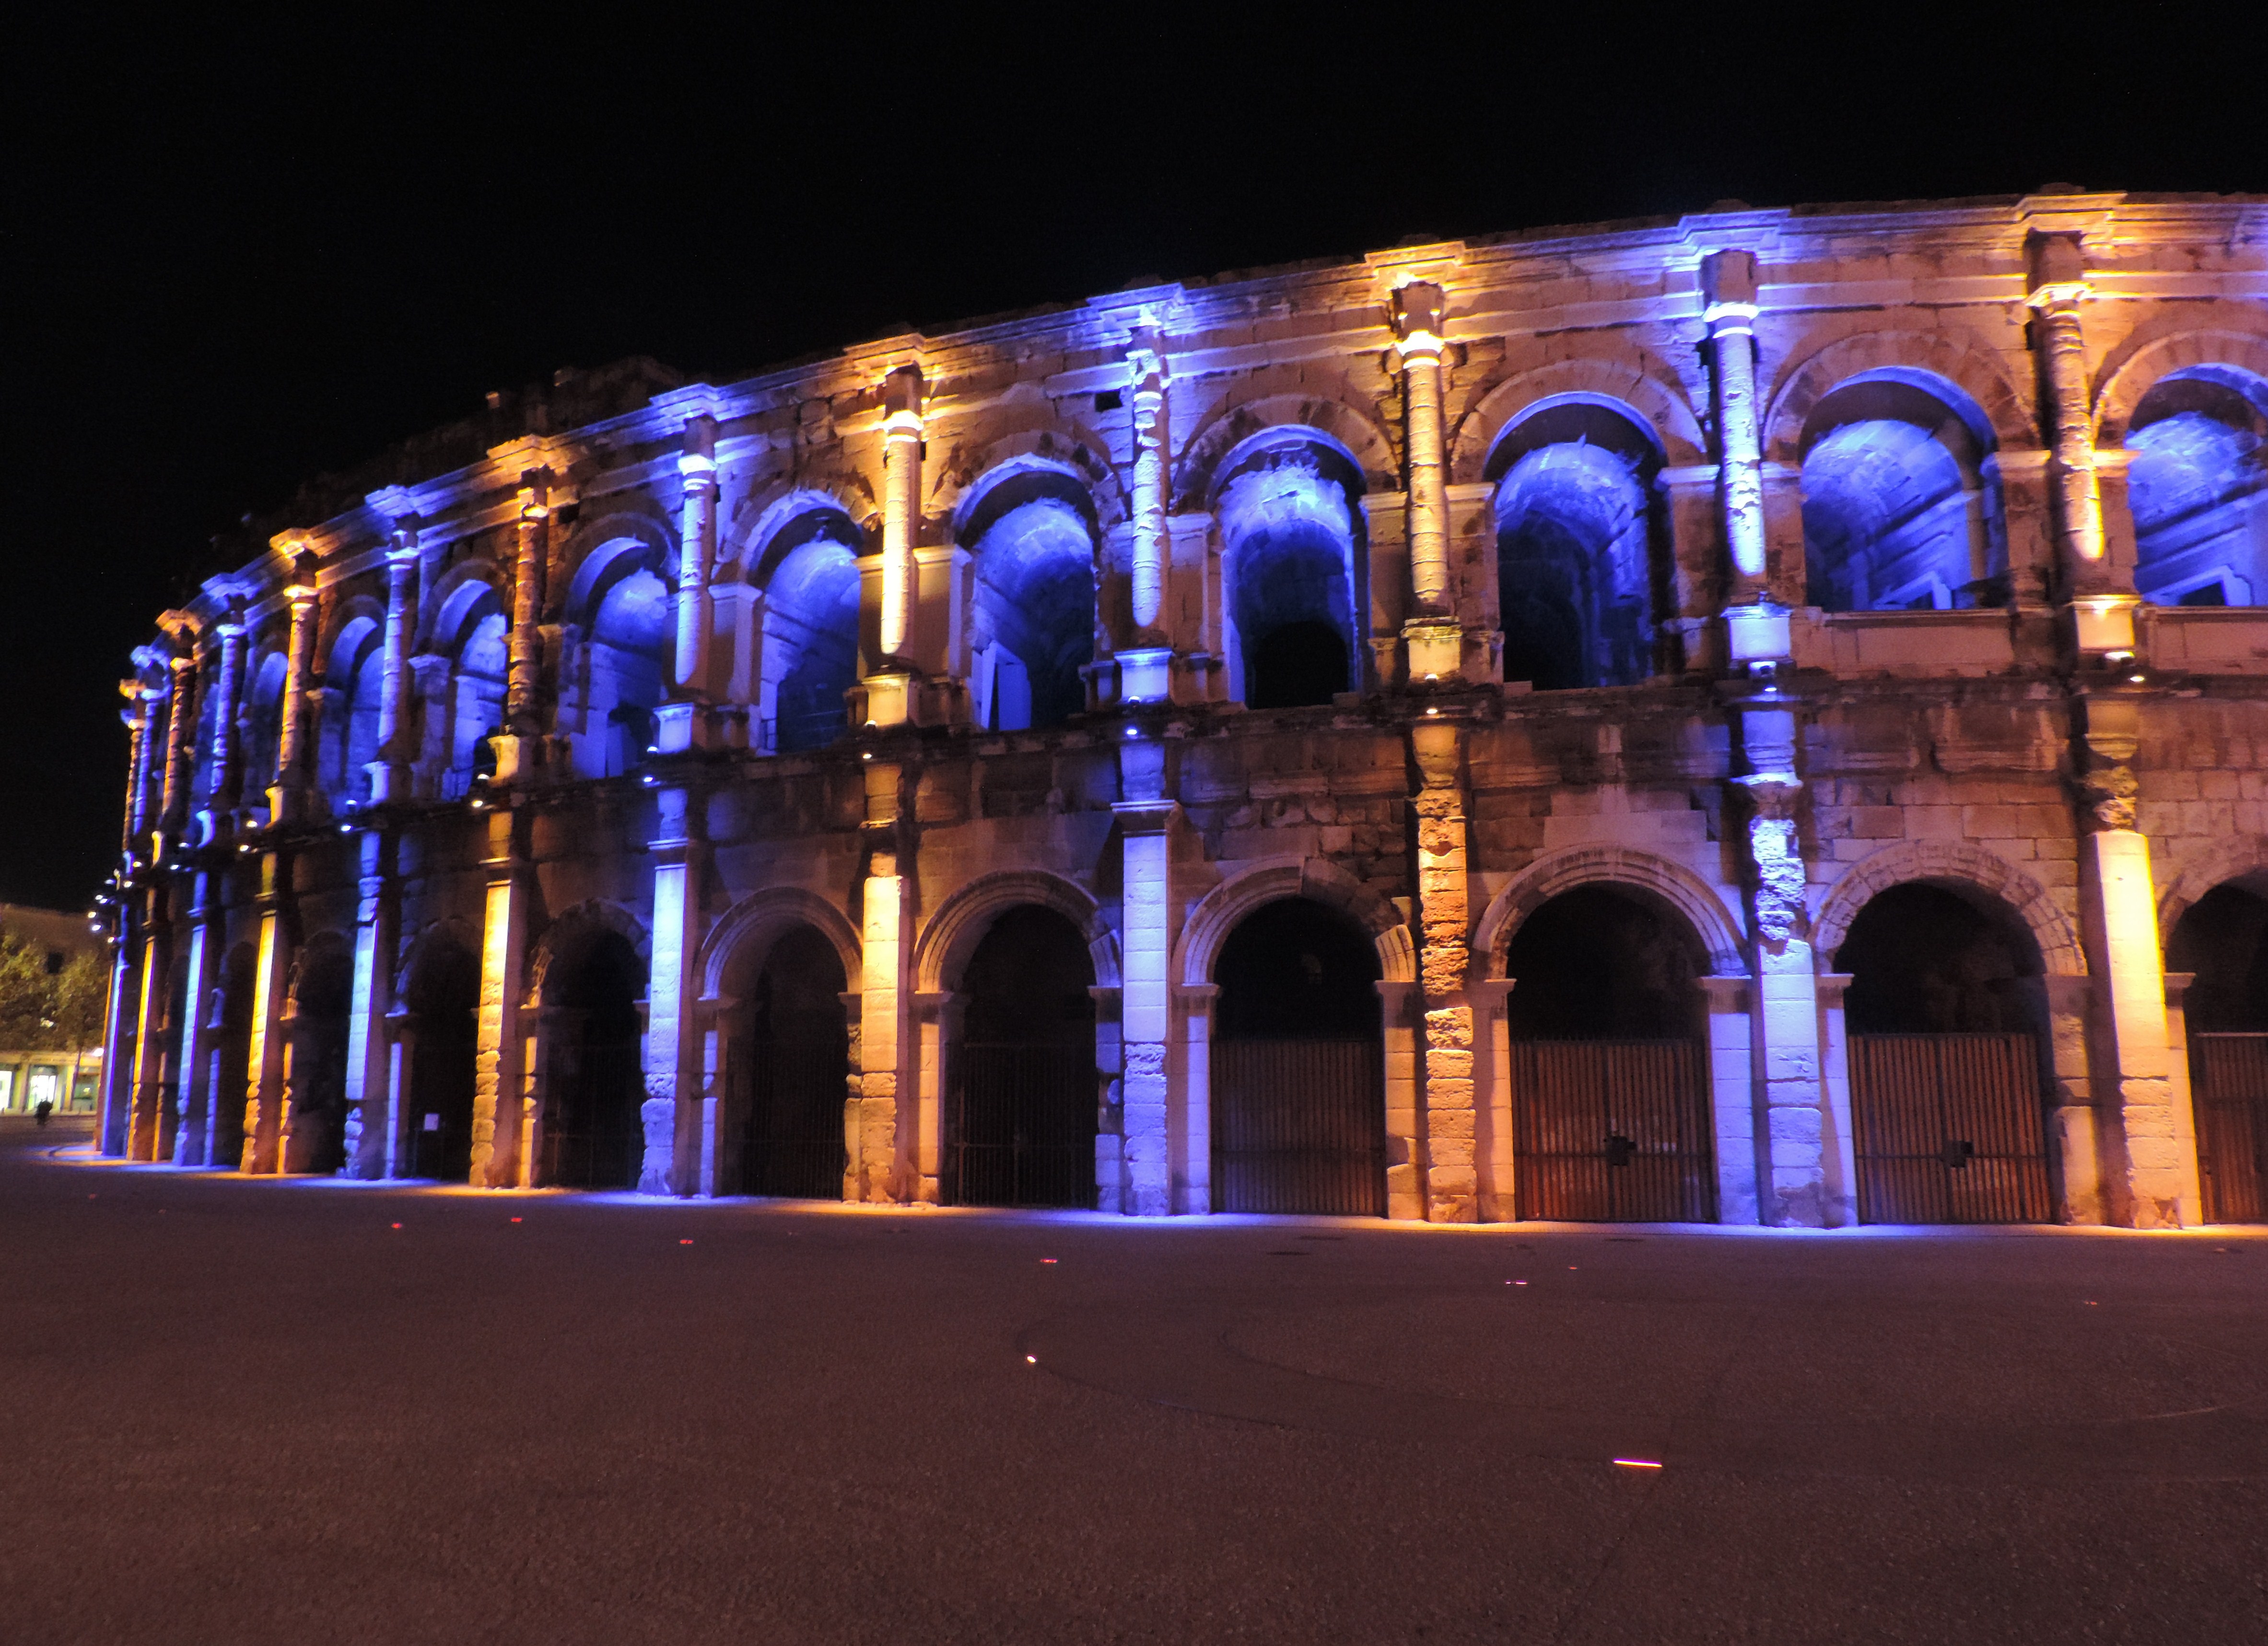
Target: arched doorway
x=1610, y=1063
x=2220, y=941
x=316, y=1081
x=2198, y=484
x=1022, y=1099
x=442, y=1000
x=593, y=1078
x=1947, y=1016
x=1298, y=1073
x=785, y=1091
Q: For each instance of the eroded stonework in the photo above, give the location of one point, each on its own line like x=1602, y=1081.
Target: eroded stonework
x=1835, y=627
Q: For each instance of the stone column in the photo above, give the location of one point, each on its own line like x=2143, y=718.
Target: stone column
x=1452, y=1128
x=152, y=1056
x=2058, y=291
x=173, y=807
x=500, y=1054
x=228, y=745
x=2153, y=1181
x=935, y=1020
x=192, y=1125
x=1152, y=484
x=265, y=1126
x=1737, y=1128
x=523, y=702
x=890, y=689
x=1432, y=634
x=1756, y=628
x=135, y=715
x=1145, y=820
x=373, y=1119
x=390, y=773
x=1493, y=1148
x=1405, y=1102
x=1799, y=1186
x=873, y=1172
x=287, y=799
x=1193, y=1191
x=696, y=552
x=114, y=1118
x=677, y=1107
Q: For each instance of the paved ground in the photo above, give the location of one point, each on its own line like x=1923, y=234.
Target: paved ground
x=247, y=1412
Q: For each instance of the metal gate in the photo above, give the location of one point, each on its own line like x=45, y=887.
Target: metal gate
x=1612, y=1132
x=1024, y=1125
x=1948, y=1129
x=593, y=1135
x=1298, y=1125
x=2232, y=1125
x=791, y=1103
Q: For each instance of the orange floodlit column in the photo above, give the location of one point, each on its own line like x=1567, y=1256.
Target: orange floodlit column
x=872, y=1130
x=389, y=773
x=1432, y=635
x=266, y=1147
x=891, y=687
x=1451, y=1119
x=524, y=687
x=287, y=799
x=2058, y=268
x=499, y=1054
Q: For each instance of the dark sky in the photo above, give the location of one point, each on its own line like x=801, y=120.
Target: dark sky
x=237, y=255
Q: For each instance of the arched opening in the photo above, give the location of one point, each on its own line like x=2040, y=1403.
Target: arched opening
x=471, y=632
x=263, y=726
x=629, y=625
x=788, y=1080
x=2223, y=941
x=1577, y=515
x=2198, y=484
x=593, y=1075
x=1609, y=1062
x=315, y=1077
x=1298, y=1069
x=441, y=1002
x=228, y=1073
x=1947, y=1020
x=1033, y=536
x=1293, y=548
x=811, y=629
x=1023, y=1100
x=1901, y=496
x=353, y=682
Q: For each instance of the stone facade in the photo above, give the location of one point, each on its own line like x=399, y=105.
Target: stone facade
x=1746, y=566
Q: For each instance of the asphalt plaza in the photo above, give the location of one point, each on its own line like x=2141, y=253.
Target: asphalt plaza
x=257, y=1411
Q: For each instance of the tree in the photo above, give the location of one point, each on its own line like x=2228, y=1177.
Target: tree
x=44, y=1011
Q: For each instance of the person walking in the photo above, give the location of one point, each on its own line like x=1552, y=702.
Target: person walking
x=41, y=1110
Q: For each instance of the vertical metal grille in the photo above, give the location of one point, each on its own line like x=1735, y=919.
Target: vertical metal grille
x=594, y=1135
x=792, y=1141
x=2231, y=1077
x=1024, y=1131
x=1948, y=1129
x=1612, y=1131
x=1298, y=1125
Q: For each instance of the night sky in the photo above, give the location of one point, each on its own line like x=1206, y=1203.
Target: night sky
x=237, y=255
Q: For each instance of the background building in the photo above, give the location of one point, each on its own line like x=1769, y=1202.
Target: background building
x=53, y=969
x=1757, y=717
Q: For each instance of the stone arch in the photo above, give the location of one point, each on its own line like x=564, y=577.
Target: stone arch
x=1271, y=880
x=604, y=551
x=2216, y=864
x=356, y=622
x=1363, y=442
x=448, y=930
x=1657, y=879
x=1957, y=865
x=2141, y=363
x=455, y=595
x=1639, y=383
x=772, y=512
x=1966, y=363
x=575, y=927
x=759, y=919
x=951, y=935
x=1046, y=441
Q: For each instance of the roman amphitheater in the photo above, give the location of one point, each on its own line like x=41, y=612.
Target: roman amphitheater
x=1758, y=718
